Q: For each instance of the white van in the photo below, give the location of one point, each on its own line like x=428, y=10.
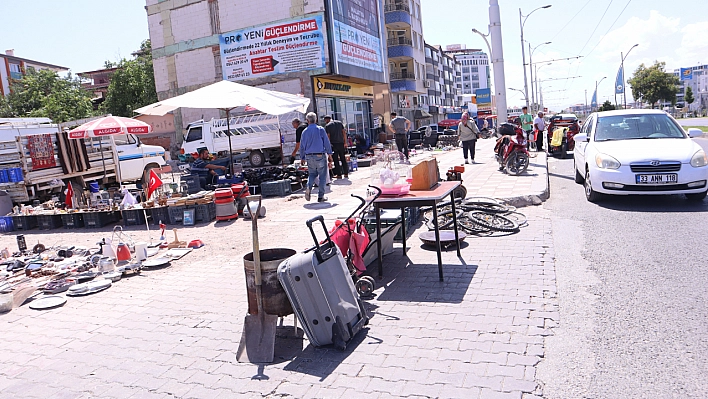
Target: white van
x=133, y=158
x=256, y=135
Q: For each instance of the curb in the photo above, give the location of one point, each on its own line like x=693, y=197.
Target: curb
x=540, y=189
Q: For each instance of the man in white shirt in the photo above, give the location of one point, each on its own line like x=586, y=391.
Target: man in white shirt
x=539, y=125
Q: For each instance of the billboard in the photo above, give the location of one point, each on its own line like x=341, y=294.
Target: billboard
x=686, y=73
x=293, y=45
x=356, y=36
x=484, y=100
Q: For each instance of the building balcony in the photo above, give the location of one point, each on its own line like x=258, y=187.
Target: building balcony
x=400, y=41
x=397, y=15
x=402, y=76
x=16, y=75
x=397, y=50
x=407, y=86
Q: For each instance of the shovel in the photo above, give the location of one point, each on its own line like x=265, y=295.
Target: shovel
x=258, y=338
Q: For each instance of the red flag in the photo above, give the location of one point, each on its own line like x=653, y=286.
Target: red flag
x=69, y=201
x=155, y=182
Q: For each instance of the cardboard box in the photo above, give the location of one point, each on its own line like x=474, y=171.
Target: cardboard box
x=425, y=175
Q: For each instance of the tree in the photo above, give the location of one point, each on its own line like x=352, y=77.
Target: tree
x=132, y=84
x=607, y=106
x=688, y=97
x=651, y=84
x=45, y=94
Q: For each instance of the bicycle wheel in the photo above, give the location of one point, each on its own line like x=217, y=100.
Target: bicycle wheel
x=444, y=220
x=518, y=217
x=494, y=221
x=469, y=226
x=485, y=207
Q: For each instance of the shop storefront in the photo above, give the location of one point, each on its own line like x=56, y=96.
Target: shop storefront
x=348, y=102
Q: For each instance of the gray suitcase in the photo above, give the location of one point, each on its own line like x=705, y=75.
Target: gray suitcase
x=322, y=293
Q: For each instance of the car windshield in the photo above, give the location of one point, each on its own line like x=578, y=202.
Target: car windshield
x=632, y=127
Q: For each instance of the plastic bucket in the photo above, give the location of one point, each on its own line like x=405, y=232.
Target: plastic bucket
x=93, y=187
x=275, y=300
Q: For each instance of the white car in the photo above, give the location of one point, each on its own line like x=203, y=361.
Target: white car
x=639, y=151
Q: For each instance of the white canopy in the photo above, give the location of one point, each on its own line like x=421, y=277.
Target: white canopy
x=228, y=95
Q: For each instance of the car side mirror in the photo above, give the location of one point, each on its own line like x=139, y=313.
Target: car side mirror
x=581, y=137
x=694, y=132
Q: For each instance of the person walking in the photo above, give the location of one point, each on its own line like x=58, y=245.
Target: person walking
x=539, y=125
x=400, y=127
x=526, y=124
x=299, y=127
x=338, y=138
x=316, y=150
x=468, y=135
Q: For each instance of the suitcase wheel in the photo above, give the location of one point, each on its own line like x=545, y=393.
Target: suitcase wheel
x=365, y=286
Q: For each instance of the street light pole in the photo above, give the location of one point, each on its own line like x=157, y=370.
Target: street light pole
x=497, y=58
x=533, y=96
x=624, y=86
x=538, y=90
x=522, y=92
x=596, y=96
x=496, y=109
x=522, y=22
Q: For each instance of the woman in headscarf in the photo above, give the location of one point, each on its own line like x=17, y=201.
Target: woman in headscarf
x=468, y=135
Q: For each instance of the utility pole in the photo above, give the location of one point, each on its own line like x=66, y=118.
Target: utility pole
x=522, y=22
x=497, y=59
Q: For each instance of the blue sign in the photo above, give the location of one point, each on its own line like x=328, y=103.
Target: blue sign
x=619, y=82
x=593, y=102
x=686, y=74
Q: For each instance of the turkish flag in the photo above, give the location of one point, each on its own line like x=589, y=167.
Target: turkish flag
x=69, y=201
x=155, y=182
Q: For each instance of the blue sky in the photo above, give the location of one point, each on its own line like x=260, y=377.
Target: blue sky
x=82, y=34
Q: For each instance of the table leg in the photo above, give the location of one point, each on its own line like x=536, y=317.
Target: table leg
x=437, y=240
x=378, y=240
x=454, y=223
x=403, y=228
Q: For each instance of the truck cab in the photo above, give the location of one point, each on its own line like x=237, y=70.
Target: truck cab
x=135, y=159
x=257, y=134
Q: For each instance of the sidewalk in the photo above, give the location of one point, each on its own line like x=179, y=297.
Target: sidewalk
x=173, y=332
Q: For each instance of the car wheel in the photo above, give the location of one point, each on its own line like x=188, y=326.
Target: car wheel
x=256, y=158
x=578, y=176
x=590, y=194
x=564, y=151
x=696, y=196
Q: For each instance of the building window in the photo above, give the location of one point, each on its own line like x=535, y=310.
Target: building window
x=15, y=68
x=428, y=53
x=474, y=69
x=475, y=77
x=417, y=10
x=465, y=69
x=475, y=85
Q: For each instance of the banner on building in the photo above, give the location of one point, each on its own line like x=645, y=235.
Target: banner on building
x=342, y=89
x=619, y=82
x=356, y=33
x=288, y=46
x=686, y=73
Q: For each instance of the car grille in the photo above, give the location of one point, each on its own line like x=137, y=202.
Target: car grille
x=663, y=166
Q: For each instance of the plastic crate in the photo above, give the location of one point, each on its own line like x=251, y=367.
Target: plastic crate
x=49, y=222
x=278, y=188
x=6, y=224
x=24, y=222
x=205, y=212
x=94, y=220
x=72, y=220
x=133, y=217
x=159, y=214
x=192, y=181
x=176, y=214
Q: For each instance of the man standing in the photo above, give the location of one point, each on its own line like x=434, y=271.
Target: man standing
x=526, y=124
x=338, y=138
x=206, y=169
x=539, y=125
x=299, y=127
x=400, y=127
x=316, y=150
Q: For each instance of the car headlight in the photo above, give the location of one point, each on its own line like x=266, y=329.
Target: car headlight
x=605, y=161
x=699, y=159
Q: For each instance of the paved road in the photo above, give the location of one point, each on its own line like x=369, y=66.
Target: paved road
x=693, y=122
x=632, y=280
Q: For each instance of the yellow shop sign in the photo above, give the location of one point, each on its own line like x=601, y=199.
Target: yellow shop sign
x=344, y=89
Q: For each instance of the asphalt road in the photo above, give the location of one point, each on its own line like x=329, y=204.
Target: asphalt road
x=632, y=276
x=693, y=122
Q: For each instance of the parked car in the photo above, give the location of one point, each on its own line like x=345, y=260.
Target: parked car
x=429, y=137
x=637, y=151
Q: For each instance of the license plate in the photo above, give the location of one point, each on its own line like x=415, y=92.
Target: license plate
x=669, y=178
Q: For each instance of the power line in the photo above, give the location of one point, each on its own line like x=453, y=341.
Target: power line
x=570, y=20
x=596, y=26
x=608, y=30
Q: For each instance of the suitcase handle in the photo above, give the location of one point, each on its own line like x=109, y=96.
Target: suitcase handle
x=329, y=249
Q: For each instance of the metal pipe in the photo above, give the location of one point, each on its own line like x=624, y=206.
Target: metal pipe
x=624, y=86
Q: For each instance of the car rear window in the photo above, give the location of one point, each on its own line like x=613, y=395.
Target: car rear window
x=632, y=127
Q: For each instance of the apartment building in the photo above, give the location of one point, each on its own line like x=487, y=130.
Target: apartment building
x=443, y=96
x=332, y=51
x=695, y=77
x=12, y=67
x=475, y=68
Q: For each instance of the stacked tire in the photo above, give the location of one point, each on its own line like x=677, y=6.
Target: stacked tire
x=225, y=206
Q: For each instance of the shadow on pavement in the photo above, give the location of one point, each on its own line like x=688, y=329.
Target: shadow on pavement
x=653, y=203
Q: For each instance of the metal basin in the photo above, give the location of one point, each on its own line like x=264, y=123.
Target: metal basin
x=275, y=300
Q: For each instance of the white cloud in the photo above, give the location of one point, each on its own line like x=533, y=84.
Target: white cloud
x=655, y=36
x=694, y=45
